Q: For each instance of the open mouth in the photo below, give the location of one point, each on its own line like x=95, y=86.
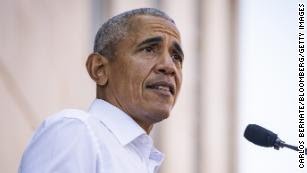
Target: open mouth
x=163, y=86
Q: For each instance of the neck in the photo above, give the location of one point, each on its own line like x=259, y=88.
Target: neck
x=101, y=94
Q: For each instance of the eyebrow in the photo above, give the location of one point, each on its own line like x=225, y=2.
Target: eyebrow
x=153, y=40
x=178, y=48
x=158, y=39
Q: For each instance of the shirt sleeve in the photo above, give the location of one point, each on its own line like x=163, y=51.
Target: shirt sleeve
x=62, y=146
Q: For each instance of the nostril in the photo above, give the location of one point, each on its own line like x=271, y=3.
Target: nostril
x=162, y=70
x=167, y=71
x=166, y=66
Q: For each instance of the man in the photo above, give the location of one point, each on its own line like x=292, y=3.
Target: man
x=136, y=65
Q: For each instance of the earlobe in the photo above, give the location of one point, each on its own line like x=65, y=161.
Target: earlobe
x=97, y=67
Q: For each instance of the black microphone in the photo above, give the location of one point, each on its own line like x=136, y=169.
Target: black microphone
x=265, y=138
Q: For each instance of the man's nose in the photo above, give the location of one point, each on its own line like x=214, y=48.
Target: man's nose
x=166, y=65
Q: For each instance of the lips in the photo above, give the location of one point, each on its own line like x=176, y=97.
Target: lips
x=162, y=86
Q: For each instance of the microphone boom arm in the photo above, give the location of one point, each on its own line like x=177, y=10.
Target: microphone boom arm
x=280, y=144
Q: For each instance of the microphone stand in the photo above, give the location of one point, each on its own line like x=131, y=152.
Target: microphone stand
x=280, y=144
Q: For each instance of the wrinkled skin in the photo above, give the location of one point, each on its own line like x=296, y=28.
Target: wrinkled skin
x=145, y=76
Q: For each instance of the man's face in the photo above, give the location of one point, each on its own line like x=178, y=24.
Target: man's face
x=145, y=75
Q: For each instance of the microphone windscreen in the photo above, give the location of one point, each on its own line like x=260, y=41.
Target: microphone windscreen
x=260, y=136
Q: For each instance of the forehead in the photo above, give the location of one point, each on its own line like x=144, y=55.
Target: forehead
x=144, y=25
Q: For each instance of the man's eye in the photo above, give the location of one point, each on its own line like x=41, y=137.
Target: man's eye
x=177, y=57
x=148, y=49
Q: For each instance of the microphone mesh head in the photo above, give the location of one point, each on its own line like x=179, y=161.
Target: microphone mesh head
x=260, y=136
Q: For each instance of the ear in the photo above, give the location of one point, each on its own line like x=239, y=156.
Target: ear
x=97, y=67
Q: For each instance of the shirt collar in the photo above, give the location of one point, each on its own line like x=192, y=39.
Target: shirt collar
x=118, y=122
x=145, y=144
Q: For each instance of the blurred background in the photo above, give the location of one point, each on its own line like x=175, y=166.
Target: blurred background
x=240, y=67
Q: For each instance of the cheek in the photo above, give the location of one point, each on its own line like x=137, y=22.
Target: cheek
x=136, y=84
x=179, y=78
x=131, y=79
x=131, y=75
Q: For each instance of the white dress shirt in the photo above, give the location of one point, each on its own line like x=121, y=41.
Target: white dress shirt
x=102, y=140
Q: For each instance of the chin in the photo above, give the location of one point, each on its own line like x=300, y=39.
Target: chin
x=159, y=114
x=156, y=111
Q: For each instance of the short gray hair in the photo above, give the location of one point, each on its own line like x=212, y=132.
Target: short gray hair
x=116, y=28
